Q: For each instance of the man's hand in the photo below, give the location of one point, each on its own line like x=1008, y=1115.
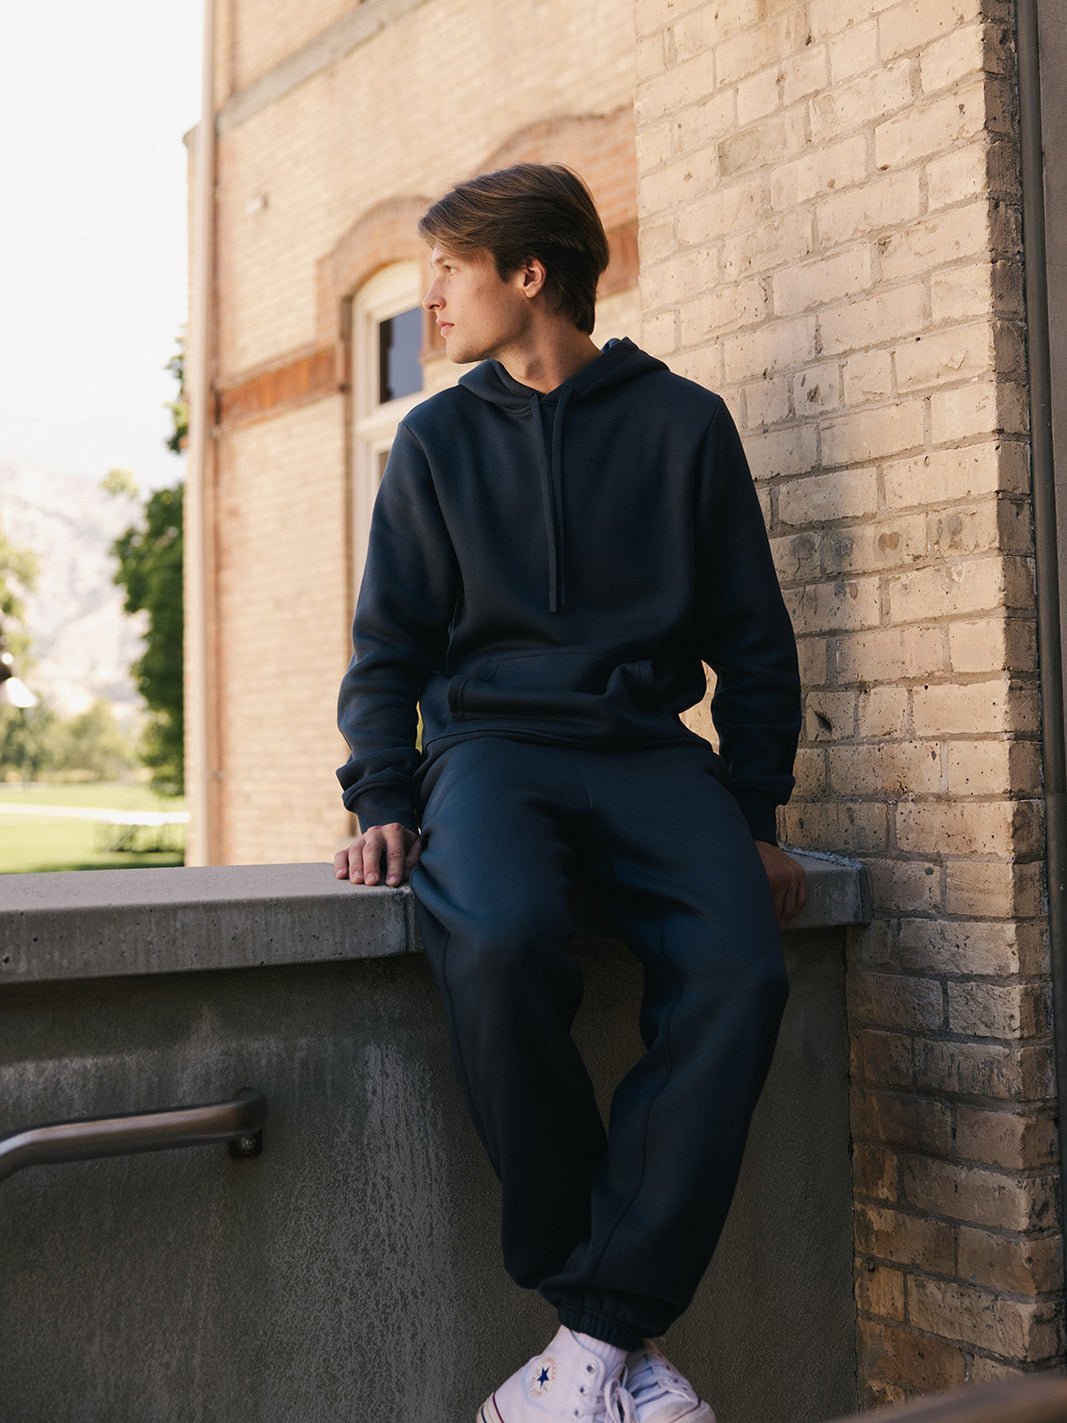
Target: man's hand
x=786, y=878
x=362, y=861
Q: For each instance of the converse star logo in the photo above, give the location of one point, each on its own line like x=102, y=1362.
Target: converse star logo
x=542, y=1377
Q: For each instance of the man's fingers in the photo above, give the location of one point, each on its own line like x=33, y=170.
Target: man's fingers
x=412, y=857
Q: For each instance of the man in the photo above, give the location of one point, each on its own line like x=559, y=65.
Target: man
x=558, y=545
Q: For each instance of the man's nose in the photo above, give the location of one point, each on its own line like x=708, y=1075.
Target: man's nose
x=431, y=299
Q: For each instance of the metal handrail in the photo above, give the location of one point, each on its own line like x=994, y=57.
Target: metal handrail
x=238, y=1121
x=1036, y=1398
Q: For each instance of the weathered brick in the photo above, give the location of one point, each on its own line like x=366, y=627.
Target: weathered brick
x=853, y=52
x=881, y=711
x=804, y=73
x=946, y=61
x=830, y=607
x=915, y=23
x=819, y=498
x=905, y=886
x=855, y=826
x=809, y=284
x=891, y=768
x=902, y=1237
x=952, y=476
x=848, y=328
x=787, y=238
x=882, y=1059
x=984, y=1070
x=746, y=149
x=893, y=1000
x=1026, y=1265
x=992, y=1010
x=902, y=1120
x=883, y=202
x=875, y=1172
x=931, y=127
x=940, y=239
x=730, y=207
x=995, y=704
x=829, y=715
x=983, y=828
x=997, y=948
x=993, y=889
x=774, y=347
x=893, y=1355
x=855, y=105
x=796, y=557
x=993, y=644
x=768, y=402
x=994, y=768
x=941, y=357
x=973, y=1194
x=980, y=408
x=972, y=585
x=886, y=654
x=1005, y=1138
x=738, y=55
x=868, y=375
x=758, y=95
x=871, y=434
x=880, y=1290
x=873, y=545
x=1015, y=1327
x=801, y=179
x=785, y=451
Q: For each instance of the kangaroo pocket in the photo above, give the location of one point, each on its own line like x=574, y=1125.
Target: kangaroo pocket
x=561, y=691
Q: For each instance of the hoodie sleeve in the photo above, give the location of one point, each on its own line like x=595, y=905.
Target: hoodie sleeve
x=399, y=635
x=746, y=635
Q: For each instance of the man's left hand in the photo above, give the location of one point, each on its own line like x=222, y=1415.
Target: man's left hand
x=786, y=878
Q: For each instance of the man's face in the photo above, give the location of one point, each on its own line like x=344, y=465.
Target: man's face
x=478, y=314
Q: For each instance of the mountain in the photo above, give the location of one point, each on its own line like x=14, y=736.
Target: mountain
x=82, y=640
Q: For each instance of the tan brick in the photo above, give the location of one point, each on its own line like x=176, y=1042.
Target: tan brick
x=872, y=434
x=810, y=284
x=991, y=524
x=958, y=293
x=809, y=769
x=940, y=239
x=973, y=708
x=903, y=1120
x=768, y=402
x=985, y=1070
x=982, y=408
x=881, y=544
x=848, y=328
x=982, y=1197
x=1014, y=1327
x=942, y=357
x=741, y=54
x=892, y=1000
x=986, y=1370
x=817, y=388
x=916, y=23
x=993, y=889
x=904, y=886
x=746, y=149
x=881, y=711
x=758, y=95
x=993, y=1010
x=654, y=148
x=829, y=715
x=960, y=174
x=890, y=768
x=884, y=201
x=853, y=52
x=724, y=309
x=775, y=452
x=1005, y=1138
x=819, y=498
x=952, y=476
x=701, y=127
x=857, y=104
x=827, y=18
x=801, y=179
x=929, y=128
x=998, y=949
x=812, y=654
x=657, y=241
x=1030, y=1265
x=946, y=589
x=875, y=1173
x=880, y=1290
x=731, y=207
x=881, y=1059
x=831, y=607
x=959, y=54
x=891, y=1355
x=886, y=654
x=993, y=644
x=659, y=333
x=902, y=1238
x=868, y=376
x=670, y=282
x=994, y=768
x=796, y=557
x=774, y=347
x=786, y=238
x=980, y=828
x=855, y=826
x=682, y=84
x=804, y=73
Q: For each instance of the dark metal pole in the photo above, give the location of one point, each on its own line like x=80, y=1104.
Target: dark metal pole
x=87, y=1138
x=1046, y=549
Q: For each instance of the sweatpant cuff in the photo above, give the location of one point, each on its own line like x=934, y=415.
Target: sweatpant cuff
x=601, y=1326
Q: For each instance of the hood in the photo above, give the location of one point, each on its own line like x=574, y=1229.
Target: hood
x=620, y=361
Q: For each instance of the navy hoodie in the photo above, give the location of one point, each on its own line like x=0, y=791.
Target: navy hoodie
x=557, y=567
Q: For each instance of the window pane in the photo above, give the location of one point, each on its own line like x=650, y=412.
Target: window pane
x=399, y=343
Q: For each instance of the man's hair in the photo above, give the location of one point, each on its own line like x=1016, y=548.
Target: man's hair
x=539, y=210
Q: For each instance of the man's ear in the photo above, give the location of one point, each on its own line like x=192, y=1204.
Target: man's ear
x=533, y=276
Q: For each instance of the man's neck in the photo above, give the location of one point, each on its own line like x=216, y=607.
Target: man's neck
x=548, y=364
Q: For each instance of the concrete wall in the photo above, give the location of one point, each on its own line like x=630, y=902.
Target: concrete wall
x=352, y=1270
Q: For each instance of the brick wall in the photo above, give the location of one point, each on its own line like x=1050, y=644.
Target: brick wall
x=304, y=157
x=829, y=235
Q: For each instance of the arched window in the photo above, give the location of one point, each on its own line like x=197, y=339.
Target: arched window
x=387, y=336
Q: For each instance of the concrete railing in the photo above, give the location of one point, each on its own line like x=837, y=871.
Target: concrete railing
x=352, y=1269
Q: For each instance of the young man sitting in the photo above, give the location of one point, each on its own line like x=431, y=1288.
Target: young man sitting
x=559, y=543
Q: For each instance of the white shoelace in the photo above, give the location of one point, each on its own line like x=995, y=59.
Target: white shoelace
x=653, y=1379
x=611, y=1405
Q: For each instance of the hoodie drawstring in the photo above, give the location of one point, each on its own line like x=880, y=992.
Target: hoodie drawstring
x=550, y=469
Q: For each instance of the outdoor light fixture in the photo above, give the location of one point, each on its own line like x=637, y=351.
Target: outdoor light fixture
x=13, y=690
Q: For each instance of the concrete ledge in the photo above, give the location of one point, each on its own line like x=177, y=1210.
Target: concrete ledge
x=116, y=923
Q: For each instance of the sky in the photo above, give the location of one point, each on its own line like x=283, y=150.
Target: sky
x=93, y=253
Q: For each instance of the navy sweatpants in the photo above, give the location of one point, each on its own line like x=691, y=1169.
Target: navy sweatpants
x=615, y=1229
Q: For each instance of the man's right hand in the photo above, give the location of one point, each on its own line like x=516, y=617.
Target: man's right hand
x=362, y=861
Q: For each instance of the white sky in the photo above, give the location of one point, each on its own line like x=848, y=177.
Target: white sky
x=94, y=101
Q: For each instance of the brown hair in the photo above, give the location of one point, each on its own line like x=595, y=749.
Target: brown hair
x=539, y=210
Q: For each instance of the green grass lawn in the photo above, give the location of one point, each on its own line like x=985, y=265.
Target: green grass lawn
x=29, y=843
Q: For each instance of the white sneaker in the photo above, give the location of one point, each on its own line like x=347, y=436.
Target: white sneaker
x=563, y=1383
x=660, y=1394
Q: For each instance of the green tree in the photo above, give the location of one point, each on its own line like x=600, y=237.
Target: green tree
x=92, y=744
x=150, y=570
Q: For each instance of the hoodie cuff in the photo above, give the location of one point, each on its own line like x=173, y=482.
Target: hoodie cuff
x=759, y=810
x=385, y=805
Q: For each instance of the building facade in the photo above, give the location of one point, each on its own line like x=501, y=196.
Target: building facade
x=815, y=208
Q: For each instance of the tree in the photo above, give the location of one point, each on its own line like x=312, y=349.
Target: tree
x=150, y=571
